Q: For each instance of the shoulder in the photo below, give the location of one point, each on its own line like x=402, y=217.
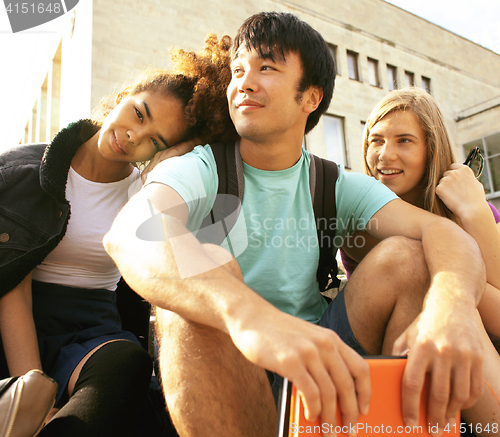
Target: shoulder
x=21, y=164
x=201, y=159
x=193, y=175
x=358, y=181
x=22, y=154
x=358, y=198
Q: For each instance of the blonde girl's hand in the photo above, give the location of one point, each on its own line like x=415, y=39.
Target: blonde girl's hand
x=460, y=191
x=177, y=150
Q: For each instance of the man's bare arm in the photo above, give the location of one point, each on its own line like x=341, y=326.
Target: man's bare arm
x=178, y=274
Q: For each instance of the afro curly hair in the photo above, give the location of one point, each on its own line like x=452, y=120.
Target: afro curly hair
x=199, y=80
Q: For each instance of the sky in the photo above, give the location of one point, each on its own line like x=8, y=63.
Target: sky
x=477, y=20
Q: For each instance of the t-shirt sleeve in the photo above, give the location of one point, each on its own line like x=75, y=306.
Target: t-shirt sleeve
x=194, y=177
x=495, y=212
x=358, y=198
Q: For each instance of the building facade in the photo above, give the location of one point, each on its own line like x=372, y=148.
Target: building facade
x=377, y=47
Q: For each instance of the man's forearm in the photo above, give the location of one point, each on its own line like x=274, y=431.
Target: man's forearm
x=178, y=273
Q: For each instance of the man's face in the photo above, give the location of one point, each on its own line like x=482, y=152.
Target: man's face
x=264, y=101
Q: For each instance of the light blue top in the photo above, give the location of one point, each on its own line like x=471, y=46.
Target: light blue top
x=275, y=240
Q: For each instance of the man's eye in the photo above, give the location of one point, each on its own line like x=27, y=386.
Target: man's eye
x=155, y=143
x=139, y=115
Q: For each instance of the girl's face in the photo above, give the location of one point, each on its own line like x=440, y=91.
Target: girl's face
x=397, y=154
x=141, y=125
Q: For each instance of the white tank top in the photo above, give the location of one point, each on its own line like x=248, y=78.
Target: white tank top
x=80, y=260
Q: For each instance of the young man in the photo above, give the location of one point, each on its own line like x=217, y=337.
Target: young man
x=220, y=327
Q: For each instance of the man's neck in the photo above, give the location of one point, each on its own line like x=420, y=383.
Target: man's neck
x=270, y=156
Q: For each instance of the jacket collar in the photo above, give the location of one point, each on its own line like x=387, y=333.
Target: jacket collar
x=59, y=153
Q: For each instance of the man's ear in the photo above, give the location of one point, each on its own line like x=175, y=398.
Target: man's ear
x=312, y=98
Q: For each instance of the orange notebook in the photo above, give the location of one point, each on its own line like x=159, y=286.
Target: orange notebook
x=384, y=416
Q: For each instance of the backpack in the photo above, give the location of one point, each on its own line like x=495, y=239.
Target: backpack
x=322, y=179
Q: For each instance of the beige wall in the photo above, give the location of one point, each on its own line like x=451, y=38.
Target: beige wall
x=479, y=125
x=126, y=36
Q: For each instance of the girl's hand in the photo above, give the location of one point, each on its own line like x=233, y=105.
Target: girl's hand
x=177, y=150
x=460, y=191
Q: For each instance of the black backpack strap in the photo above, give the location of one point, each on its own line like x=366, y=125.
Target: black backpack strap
x=227, y=204
x=229, y=168
x=323, y=176
x=322, y=179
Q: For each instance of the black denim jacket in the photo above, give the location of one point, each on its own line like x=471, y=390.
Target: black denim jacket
x=34, y=212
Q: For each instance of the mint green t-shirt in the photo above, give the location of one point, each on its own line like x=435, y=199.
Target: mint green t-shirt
x=275, y=240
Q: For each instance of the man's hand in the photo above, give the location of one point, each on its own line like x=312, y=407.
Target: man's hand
x=444, y=346
x=315, y=359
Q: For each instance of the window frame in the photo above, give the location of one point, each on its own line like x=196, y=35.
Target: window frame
x=426, y=84
x=374, y=62
x=409, y=75
x=482, y=143
x=394, y=82
x=334, y=51
x=343, y=146
x=355, y=57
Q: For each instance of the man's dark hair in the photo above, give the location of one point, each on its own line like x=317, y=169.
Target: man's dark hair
x=275, y=34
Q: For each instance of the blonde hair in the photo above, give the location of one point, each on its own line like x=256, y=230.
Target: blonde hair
x=440, y=154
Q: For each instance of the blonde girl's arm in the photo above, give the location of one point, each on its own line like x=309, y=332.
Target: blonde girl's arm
x=464, y=195
x=17, y=329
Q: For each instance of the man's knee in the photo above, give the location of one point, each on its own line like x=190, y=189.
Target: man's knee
x=402, y=248
x=394, y=268
x=184, y=343
x=398, y=256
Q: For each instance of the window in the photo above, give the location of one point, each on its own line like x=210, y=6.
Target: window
x=490, y=149
x=362, y=132
x=426, y=84
x=334, y=139
x=333, y=51
x=43, y=122
x=409, y=78
x=373, y=72
x=392, y=77
x=352, y=64
x=363, y=126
